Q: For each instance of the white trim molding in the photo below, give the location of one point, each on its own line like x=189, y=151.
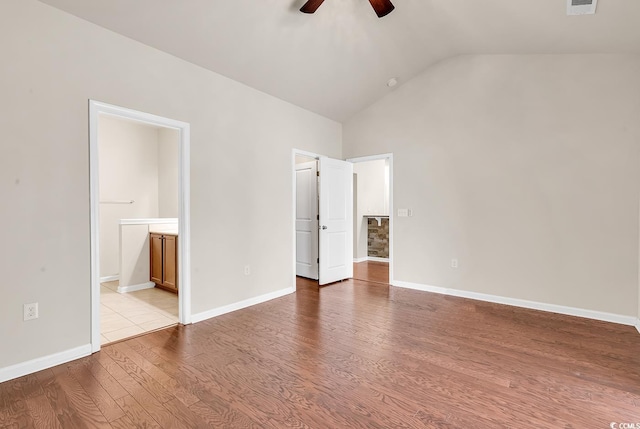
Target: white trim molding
x=523, y=303
x=370, y=258
x=389, y=157
x=153, y=221
x=96, y=110
x=420, y=287
x=109, y=278
x=199, y=317
x=39, y=364
x=377, y=259
x=294, y=153
x=133, y=288
x=638, y=325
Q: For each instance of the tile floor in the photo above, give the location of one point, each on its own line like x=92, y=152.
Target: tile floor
x=124, y=315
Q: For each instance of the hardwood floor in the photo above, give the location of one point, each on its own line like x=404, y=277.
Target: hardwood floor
x=349, y=355
x=371, y=271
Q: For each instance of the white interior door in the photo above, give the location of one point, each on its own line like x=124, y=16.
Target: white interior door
x=307, y=220
x=336, y=220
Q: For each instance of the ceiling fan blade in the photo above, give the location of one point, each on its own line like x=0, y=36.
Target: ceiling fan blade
x=311, y=6
x=382, y=7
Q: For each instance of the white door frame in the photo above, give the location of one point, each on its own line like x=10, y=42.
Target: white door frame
x=294, y=153
x=312, y=272
x=388, y=156
x=96, y=109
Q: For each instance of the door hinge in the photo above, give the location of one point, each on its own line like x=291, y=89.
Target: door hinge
x=318, y=260
x=318, y=173
x=318, y=216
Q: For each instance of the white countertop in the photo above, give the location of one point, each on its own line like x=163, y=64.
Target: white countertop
x=159, y=229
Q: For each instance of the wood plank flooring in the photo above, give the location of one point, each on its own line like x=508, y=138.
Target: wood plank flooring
x=349, y=355
x=372, y=271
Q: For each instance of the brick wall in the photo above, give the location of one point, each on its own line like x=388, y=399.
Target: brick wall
x=378, y=238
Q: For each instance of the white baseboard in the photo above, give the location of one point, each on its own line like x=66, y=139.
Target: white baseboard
x=638, y=325
x=109, y=278
x=133, y=288
x=376, y=259
x=552, y=308
x=35, y=365
x=240, y=305
x=370, y=258
x=420, y=287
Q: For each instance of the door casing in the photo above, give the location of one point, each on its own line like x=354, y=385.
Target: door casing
x=387, y=156
x=309, y=268
x=97, y=109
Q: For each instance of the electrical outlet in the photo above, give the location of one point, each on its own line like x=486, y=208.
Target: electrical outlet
x=247, y=270
x=454, y=263
x=31, y=311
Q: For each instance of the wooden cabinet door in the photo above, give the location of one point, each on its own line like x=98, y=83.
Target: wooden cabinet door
x=156, y=258
x=171, y=261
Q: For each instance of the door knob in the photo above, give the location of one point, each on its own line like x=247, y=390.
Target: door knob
x=324, y=226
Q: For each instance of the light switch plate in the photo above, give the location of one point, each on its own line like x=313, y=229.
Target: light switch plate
x=403, y=212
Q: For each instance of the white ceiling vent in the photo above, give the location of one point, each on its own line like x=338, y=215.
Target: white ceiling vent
x=581, y=7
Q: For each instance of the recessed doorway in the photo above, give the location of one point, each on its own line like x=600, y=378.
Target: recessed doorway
x=373, y=218
x=124, y=293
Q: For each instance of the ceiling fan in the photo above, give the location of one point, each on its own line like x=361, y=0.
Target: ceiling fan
x=382, y=7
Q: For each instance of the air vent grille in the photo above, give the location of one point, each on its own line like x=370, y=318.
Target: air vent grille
x=581, y=7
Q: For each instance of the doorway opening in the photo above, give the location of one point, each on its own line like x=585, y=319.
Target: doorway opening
x=373, y=218
x=139, y=175
x=307, y=217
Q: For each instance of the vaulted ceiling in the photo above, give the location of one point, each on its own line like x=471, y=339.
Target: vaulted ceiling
x=338, y=60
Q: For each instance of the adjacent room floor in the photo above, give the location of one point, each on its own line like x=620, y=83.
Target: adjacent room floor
x=124, y=315
x=371, y=271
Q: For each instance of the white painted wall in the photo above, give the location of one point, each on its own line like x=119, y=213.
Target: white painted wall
x=525, y=168
x=137, y=162
x=135, y=256
x=168, y=172
x=129, y=154
x=241, y=143
x=372, y=197
x=301, y=159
